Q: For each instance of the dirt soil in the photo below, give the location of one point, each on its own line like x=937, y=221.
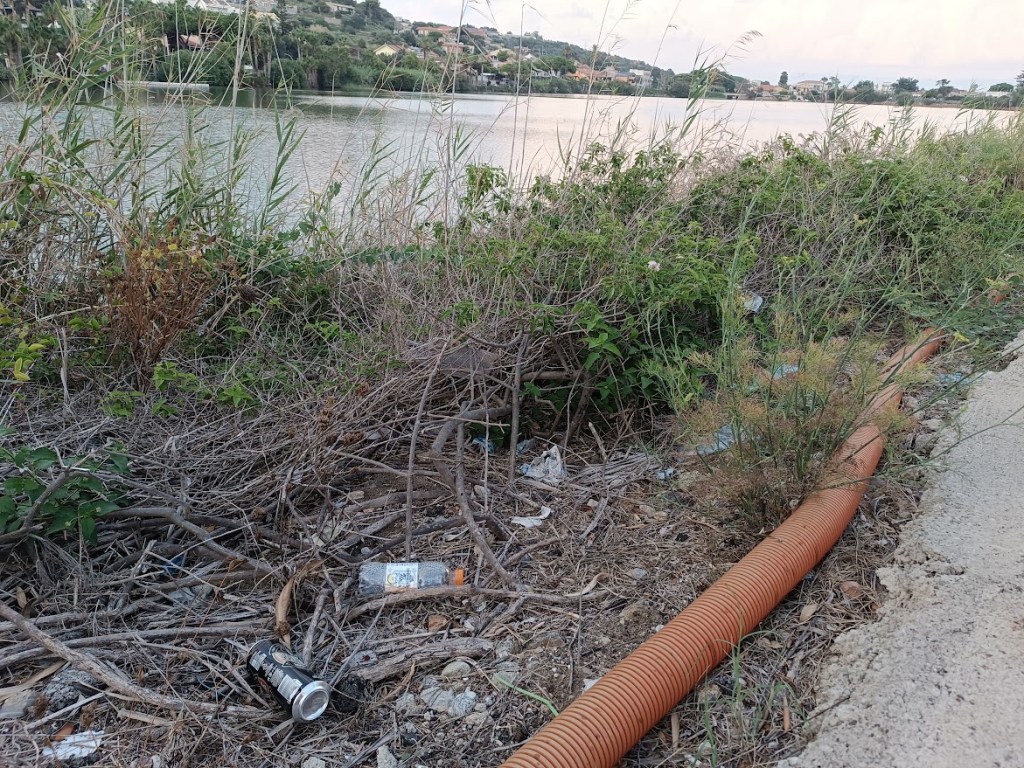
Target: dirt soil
x=939, y=680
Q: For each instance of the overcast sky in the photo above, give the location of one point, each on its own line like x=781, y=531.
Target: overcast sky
x=864, y=39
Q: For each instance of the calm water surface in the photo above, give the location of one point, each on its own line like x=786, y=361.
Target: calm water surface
x=352, y=138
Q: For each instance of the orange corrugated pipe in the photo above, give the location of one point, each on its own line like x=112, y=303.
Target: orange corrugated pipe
x=598, y=728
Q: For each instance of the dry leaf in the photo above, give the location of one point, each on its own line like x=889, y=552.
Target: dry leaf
x=852, y=589
x=21, y=597
x=284, y=601
x=807, y=612
x=436, y=622
x=65, y=730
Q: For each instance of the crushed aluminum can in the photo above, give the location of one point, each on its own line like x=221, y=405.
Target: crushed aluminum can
x=283, y=674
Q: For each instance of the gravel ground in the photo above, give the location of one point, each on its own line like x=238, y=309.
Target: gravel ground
x=939, y=680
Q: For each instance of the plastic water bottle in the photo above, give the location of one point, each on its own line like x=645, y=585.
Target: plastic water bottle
x=385, y=578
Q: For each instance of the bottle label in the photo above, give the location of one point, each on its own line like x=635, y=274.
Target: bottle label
x=399, y=577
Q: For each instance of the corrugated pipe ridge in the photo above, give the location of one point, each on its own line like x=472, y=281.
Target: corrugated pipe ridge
x=597, y=729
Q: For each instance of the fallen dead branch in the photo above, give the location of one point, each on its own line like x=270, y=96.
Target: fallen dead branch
x=116, y=680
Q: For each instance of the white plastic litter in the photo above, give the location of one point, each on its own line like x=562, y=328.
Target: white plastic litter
x=75, y=746
x=753, y=303
x=548, y=466
x=533, y=522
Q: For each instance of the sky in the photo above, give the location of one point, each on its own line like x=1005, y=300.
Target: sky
x=880, y=40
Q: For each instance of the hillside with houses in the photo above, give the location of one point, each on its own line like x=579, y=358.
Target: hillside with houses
x=330, y=46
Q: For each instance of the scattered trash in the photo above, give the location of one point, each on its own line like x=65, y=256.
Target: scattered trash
x=438, y=699
x=665, y=473
x=548, y=466
x=284, y=676
x=314, y=762
x=329, y=532
x=724, y=438
x=524, y=446
x=784, y=370
x=75, y=747
x=753, y=303
x=384, y=578
x=483, y=444
x=590, y=682
x=949, y=379
x=533, y=522
x=16, y=705
x=638, y=573
x=462, y=703
x=174, y=566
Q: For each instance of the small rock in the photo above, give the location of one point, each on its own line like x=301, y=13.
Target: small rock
x=477, y=719
x=647, y=509
x=505, y=648
x=385, y=759
x=709, y=694
x=634, y=613
x=638, y=573
x=408, y=705
x=932, y=425
x=462, y=703
x=438, y=699
x=456, y=669
x=313, y=762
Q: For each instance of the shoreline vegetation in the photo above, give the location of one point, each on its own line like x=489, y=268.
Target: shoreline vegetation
x=592, y=393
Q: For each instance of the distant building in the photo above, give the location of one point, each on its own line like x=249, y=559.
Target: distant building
x=767, y=90
x=643, y=77
x=885, y=88
x=452, y=47
x=808, y=87
x=439, y=28
x=388, y=50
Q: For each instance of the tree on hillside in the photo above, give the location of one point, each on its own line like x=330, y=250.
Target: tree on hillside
x=905, y=85
x=1002, y=87
x=1020, y=79
x=943, y=88
x=559, y=64
x=784, y=79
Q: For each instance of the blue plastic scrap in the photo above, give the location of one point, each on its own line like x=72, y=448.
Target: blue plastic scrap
x=724, y=439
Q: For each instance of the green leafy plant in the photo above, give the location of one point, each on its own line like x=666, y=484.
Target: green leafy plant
x=59, y=495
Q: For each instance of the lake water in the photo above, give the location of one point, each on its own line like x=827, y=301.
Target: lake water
x=363, y=137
